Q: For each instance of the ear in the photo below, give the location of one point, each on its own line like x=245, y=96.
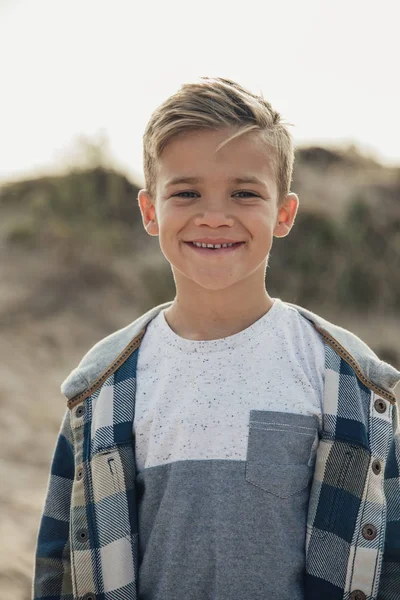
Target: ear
x=148, y=211
x=286, y=215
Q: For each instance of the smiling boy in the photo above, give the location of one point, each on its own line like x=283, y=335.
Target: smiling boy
x=215, y=201
x=225, y=444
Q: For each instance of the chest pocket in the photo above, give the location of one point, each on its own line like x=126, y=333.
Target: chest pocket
x=281, y=451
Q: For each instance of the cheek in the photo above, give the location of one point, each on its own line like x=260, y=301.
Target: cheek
x=262, y=225
x=170, y=235
x=172, y=224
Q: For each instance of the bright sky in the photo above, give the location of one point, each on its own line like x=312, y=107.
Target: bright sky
x=72, y=67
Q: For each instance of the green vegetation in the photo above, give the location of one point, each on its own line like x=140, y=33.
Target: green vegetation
x=96, y=205
x=351, y=264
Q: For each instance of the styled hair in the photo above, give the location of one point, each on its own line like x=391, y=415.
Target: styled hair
x=216, y=103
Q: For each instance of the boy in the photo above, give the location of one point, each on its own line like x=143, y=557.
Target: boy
x=226, y=444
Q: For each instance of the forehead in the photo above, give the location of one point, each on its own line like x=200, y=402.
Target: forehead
x=193, y=156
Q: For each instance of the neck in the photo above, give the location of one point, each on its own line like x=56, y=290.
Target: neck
x=206, y=320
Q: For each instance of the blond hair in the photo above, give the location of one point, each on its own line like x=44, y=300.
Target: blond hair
x=216, y=103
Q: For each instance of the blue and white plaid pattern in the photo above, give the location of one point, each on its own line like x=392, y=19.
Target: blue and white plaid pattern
x=347, y=495
x=88, y=538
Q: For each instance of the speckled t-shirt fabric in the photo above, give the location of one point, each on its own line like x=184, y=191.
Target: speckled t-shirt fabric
x=226, y=432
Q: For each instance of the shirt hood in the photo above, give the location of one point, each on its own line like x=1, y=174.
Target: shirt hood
x=102, y=354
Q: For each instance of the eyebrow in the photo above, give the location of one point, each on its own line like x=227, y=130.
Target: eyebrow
x=243, y=179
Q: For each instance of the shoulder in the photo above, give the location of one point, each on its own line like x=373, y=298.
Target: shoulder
x=378, y=371
x=105, y=352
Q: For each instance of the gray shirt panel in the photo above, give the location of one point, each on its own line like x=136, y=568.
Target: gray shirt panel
x=223, y=529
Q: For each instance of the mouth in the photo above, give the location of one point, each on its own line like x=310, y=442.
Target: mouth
x=216, y=251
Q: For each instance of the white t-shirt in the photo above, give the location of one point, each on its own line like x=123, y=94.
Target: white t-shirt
x=187, y=389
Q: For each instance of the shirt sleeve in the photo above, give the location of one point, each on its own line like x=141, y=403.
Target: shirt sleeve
x=52, y=565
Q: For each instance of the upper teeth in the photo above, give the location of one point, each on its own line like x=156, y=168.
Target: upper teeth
x=200, y=245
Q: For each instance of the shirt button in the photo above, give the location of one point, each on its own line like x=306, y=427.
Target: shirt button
x=369, y=531
x=82, y=535
x=376, y=466
x=89, y=596
x=357, y=595
x=79, y=473
x=380, y=405
x=80, y=411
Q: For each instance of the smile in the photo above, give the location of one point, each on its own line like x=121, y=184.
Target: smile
x=216, y=251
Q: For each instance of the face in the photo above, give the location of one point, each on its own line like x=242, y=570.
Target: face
x=215, y=206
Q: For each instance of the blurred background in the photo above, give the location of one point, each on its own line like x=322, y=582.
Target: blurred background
x=79, y=81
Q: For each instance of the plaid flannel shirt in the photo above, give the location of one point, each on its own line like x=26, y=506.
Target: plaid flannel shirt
x=87, y=547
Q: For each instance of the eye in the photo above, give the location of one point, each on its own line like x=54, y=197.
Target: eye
x=248, y=193
x=241, y=192
x=181, y=193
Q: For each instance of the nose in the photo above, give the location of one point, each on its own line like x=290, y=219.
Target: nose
x=214, y=218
